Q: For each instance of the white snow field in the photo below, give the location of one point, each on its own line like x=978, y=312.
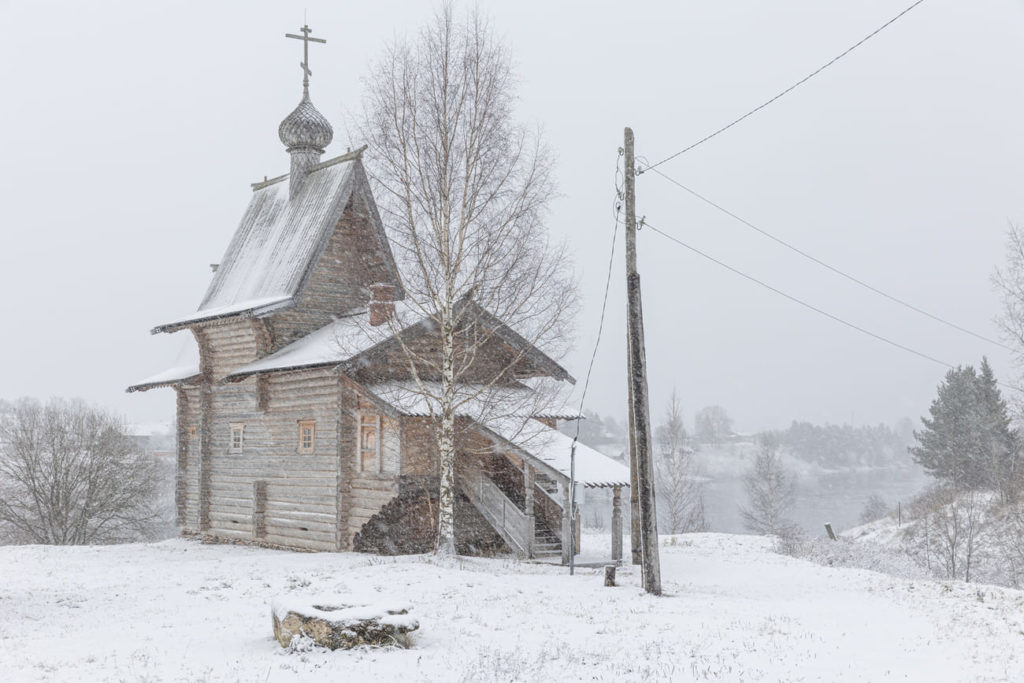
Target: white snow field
x=733, y=611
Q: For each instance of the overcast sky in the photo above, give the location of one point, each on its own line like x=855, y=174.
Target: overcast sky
x=131, y=131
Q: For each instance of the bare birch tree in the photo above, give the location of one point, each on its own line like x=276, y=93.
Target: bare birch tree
x=771, y=492
x=678, y=485
x=951, y=533
x=465, y=192
x=70, y=475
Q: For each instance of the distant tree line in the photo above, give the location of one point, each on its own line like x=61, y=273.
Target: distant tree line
x=843, y=446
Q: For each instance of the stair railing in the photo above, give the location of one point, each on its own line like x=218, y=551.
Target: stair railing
x=511, y=523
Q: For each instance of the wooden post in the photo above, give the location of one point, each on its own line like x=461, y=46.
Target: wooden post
x=609, y=575
x=576, y=529
x=529, y=478
x=566, y=526
x=638, y=376
x=831, y=534
x=259, y=510
x=617, y=523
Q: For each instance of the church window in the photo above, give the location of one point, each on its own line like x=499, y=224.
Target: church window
x=237, y=430
x=369, y=443
x=192, y=431
x=307, y=435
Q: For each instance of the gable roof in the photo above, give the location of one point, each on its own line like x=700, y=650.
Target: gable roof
x=279, y=240
x=351, y=340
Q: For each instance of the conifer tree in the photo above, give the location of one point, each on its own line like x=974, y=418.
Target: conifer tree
x=1002, y=440
x=967, y=441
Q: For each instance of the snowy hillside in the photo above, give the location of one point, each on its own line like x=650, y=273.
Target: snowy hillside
x=734, y=611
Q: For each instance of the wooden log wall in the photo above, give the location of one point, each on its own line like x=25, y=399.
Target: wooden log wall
x=301, y=488
x=369, y=490
x=349, y=263
x=187, y=481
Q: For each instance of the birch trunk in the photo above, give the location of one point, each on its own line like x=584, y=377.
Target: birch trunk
x=446, y=439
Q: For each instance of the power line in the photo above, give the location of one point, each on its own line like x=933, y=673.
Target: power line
x=787, y=90
x=647, y=224
x=921, y=354
x=616, y=208
x=832, y=268
x=858, y=328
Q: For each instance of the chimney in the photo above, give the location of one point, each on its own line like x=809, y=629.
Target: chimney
x=382, y=303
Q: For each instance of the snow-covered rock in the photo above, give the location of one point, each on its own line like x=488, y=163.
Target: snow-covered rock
x=342, y=622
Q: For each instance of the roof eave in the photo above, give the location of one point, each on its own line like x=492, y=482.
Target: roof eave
x=244, y=314
x=242, y=376
x=146, y=386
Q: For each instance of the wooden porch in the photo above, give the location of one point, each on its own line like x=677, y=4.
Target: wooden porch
x=527, y=504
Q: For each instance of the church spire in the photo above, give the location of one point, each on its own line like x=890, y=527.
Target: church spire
x=305, y=132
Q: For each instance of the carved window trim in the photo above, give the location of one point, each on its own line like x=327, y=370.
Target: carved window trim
x=236, y=437
x=307, y=436
x=369, y=441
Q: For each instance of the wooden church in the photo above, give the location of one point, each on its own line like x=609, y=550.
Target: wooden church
x=297, y=427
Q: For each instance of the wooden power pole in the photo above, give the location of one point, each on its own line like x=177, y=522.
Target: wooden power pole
x=640, y=413
x=635, y=545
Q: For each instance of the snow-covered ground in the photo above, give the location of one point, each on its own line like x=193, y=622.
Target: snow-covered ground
x=733, y=611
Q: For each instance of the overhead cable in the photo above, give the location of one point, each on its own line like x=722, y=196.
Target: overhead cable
x=837, y=271
x=787, y=90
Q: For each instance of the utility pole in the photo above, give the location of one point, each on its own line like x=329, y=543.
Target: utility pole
x=640, y=437
x=635, y=546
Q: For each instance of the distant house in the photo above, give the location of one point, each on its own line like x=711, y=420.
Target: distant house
x=297, y=426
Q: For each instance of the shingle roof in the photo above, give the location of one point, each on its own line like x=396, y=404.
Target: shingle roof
x=278, y=241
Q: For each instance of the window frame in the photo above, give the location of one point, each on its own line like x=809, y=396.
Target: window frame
x=361, y=452
x=234, y=427
x=302, y=449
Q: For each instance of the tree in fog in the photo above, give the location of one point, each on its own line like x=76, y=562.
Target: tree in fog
x=771, y=492
x=70, y=474
x=464, y=191
x=1002, y=450
x=967, y=442
x=712, y=425
x=679, y=489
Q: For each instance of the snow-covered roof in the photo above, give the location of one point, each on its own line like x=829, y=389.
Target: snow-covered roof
x=479, y=402
x=186, y=367
x=169, y=376
x=277, y=242
x=251, y=308
x=553, y=448
x=348, y=337
x=332, y=344
x=504, y=413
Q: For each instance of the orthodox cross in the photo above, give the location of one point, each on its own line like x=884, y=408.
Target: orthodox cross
x=305, y=38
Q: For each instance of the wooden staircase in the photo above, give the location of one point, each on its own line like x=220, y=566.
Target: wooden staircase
x=526, y=534
x=546, y=543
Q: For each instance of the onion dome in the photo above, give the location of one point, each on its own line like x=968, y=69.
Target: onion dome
x=305, y=127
